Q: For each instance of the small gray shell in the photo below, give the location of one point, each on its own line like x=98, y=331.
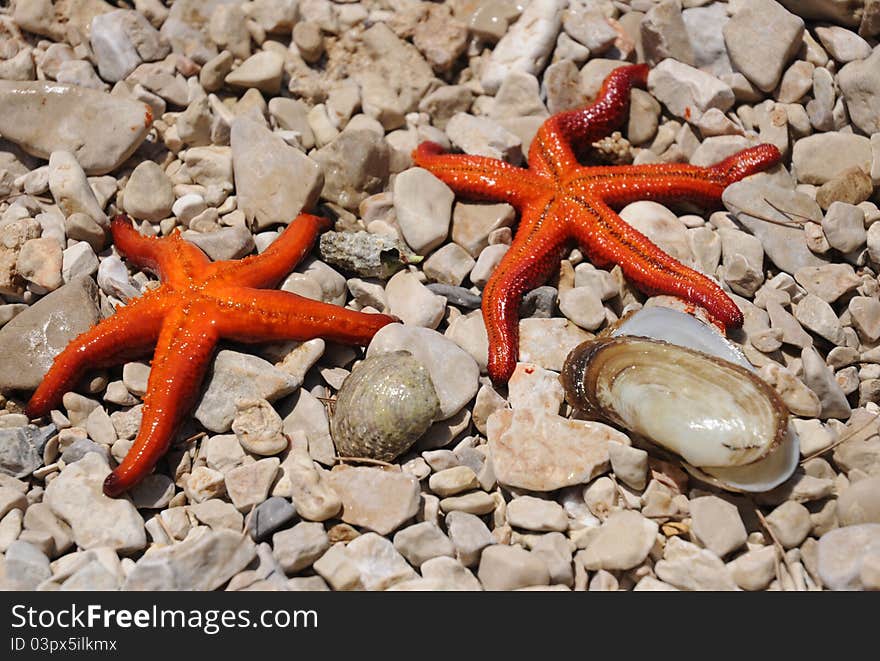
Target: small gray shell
x=383, y=407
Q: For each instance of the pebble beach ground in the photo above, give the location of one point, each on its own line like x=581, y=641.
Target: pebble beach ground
x=225, y=118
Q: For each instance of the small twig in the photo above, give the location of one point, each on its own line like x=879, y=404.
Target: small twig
x=365, y=460
x=789, y=214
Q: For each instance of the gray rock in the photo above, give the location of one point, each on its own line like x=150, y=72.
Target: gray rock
x=269, y=516
x=355, y=164
x=299, y=547
x=457, y=296
x=148, y=194
x=30, y=342
x=121, y=40
x=273, y=180
x=76, y=496
x=762, y=38
x=25, y=567
x=664, y=34
x=201, y=562
x=375, y=499
x=81, y=447
x=753, y=200
x=236, y=377
x=223, y=244
x=842, y=553
x=99, y=129
x=21, y=449
x=860, y=87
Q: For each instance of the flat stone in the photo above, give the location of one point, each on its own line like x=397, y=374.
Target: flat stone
x=717, y=525
x=860, y=503
x=623, y=542
x=530, y=513
x=149, y=193
x=30, y=342
x=511, y=567
x=25, y=567
x=270, y=516
x=76, y=496
x=861, y=90
x=688, y=92
x=273, y=180
x=544, y=452
x=423, y=206
x=375, y=499
x=201, y=562
x=421, y=542
x=71, y=189
x=526, y=45
x=413, y=303
x=299, y=547
x=843, y=552
x=688, y=567
x=355, y=164
x=761, y=38
x=379, y=564
x=754, y=569
x=546, y=342
x=823, y=156
x=239, y=377
x=261, y=70
x=100, y=130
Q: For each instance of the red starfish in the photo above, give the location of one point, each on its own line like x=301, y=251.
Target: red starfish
x=559, y=200
x=198, y=303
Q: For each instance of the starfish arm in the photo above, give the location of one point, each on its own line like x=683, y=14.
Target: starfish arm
x=479, y=177
x=673, y=182
x=283, y=254
x=183, y=353
x=560, y=139
x=173, y=258
x=531, y=259
x=266, y=315
x=610, y=239
x=129, y=333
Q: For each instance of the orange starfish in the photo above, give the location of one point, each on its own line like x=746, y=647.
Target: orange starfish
x=559, y=200
x=198, y=303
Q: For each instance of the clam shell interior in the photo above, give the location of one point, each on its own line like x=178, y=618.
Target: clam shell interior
x=684, y=330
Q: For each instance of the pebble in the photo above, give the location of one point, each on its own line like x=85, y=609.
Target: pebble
x=865, y=312
x=258, y=428
x=762, y=37
x=511, y=568
x=423, y=206
x=475, y=502
x=201, y=562
x=688, y=92
x=452, y=481
x=860, y=503
x=717, y=525
x=153, y=492
x=829, y=282
x=449, y=265
x=480, y=136
x=543, y=452
x=532, y=387
x=535, y=514
x=76, y=496
x=239, y=377
x=489, y=259
x=842, y=554
x=753, y=199
x=754, y=569
x=852, y=186
x=249, y=485
x=820, y=379
x=842, y=44
x=623, y=542
x=526, y=45
x=308, y=486
x=630, y=465
x=473, y=223
x=78, y=261
x=121, y=40
x=453, y=371
x=355, y=166
x=71, y=189
x=273, y=180
x=100, y=130
x=299, y=547
x=583, y=307
x=30, y=342
x=790, y=523
x=821, y=157
x=261, y=70
x=688, y=567
x=413, y=303
x=40, y=262
x=25, y=567
x=844, y=227
x=818, y=316
x=421, y=542
x=546, y=342
x=859, y=86
x=469, y=536
x=376, y=499
x=217, y=514
x=378, y=563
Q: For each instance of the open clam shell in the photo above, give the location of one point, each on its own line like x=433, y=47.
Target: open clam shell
x=679, y=383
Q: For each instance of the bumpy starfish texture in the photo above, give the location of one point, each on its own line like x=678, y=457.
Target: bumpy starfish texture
x=560, y=200
x=198, y=303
